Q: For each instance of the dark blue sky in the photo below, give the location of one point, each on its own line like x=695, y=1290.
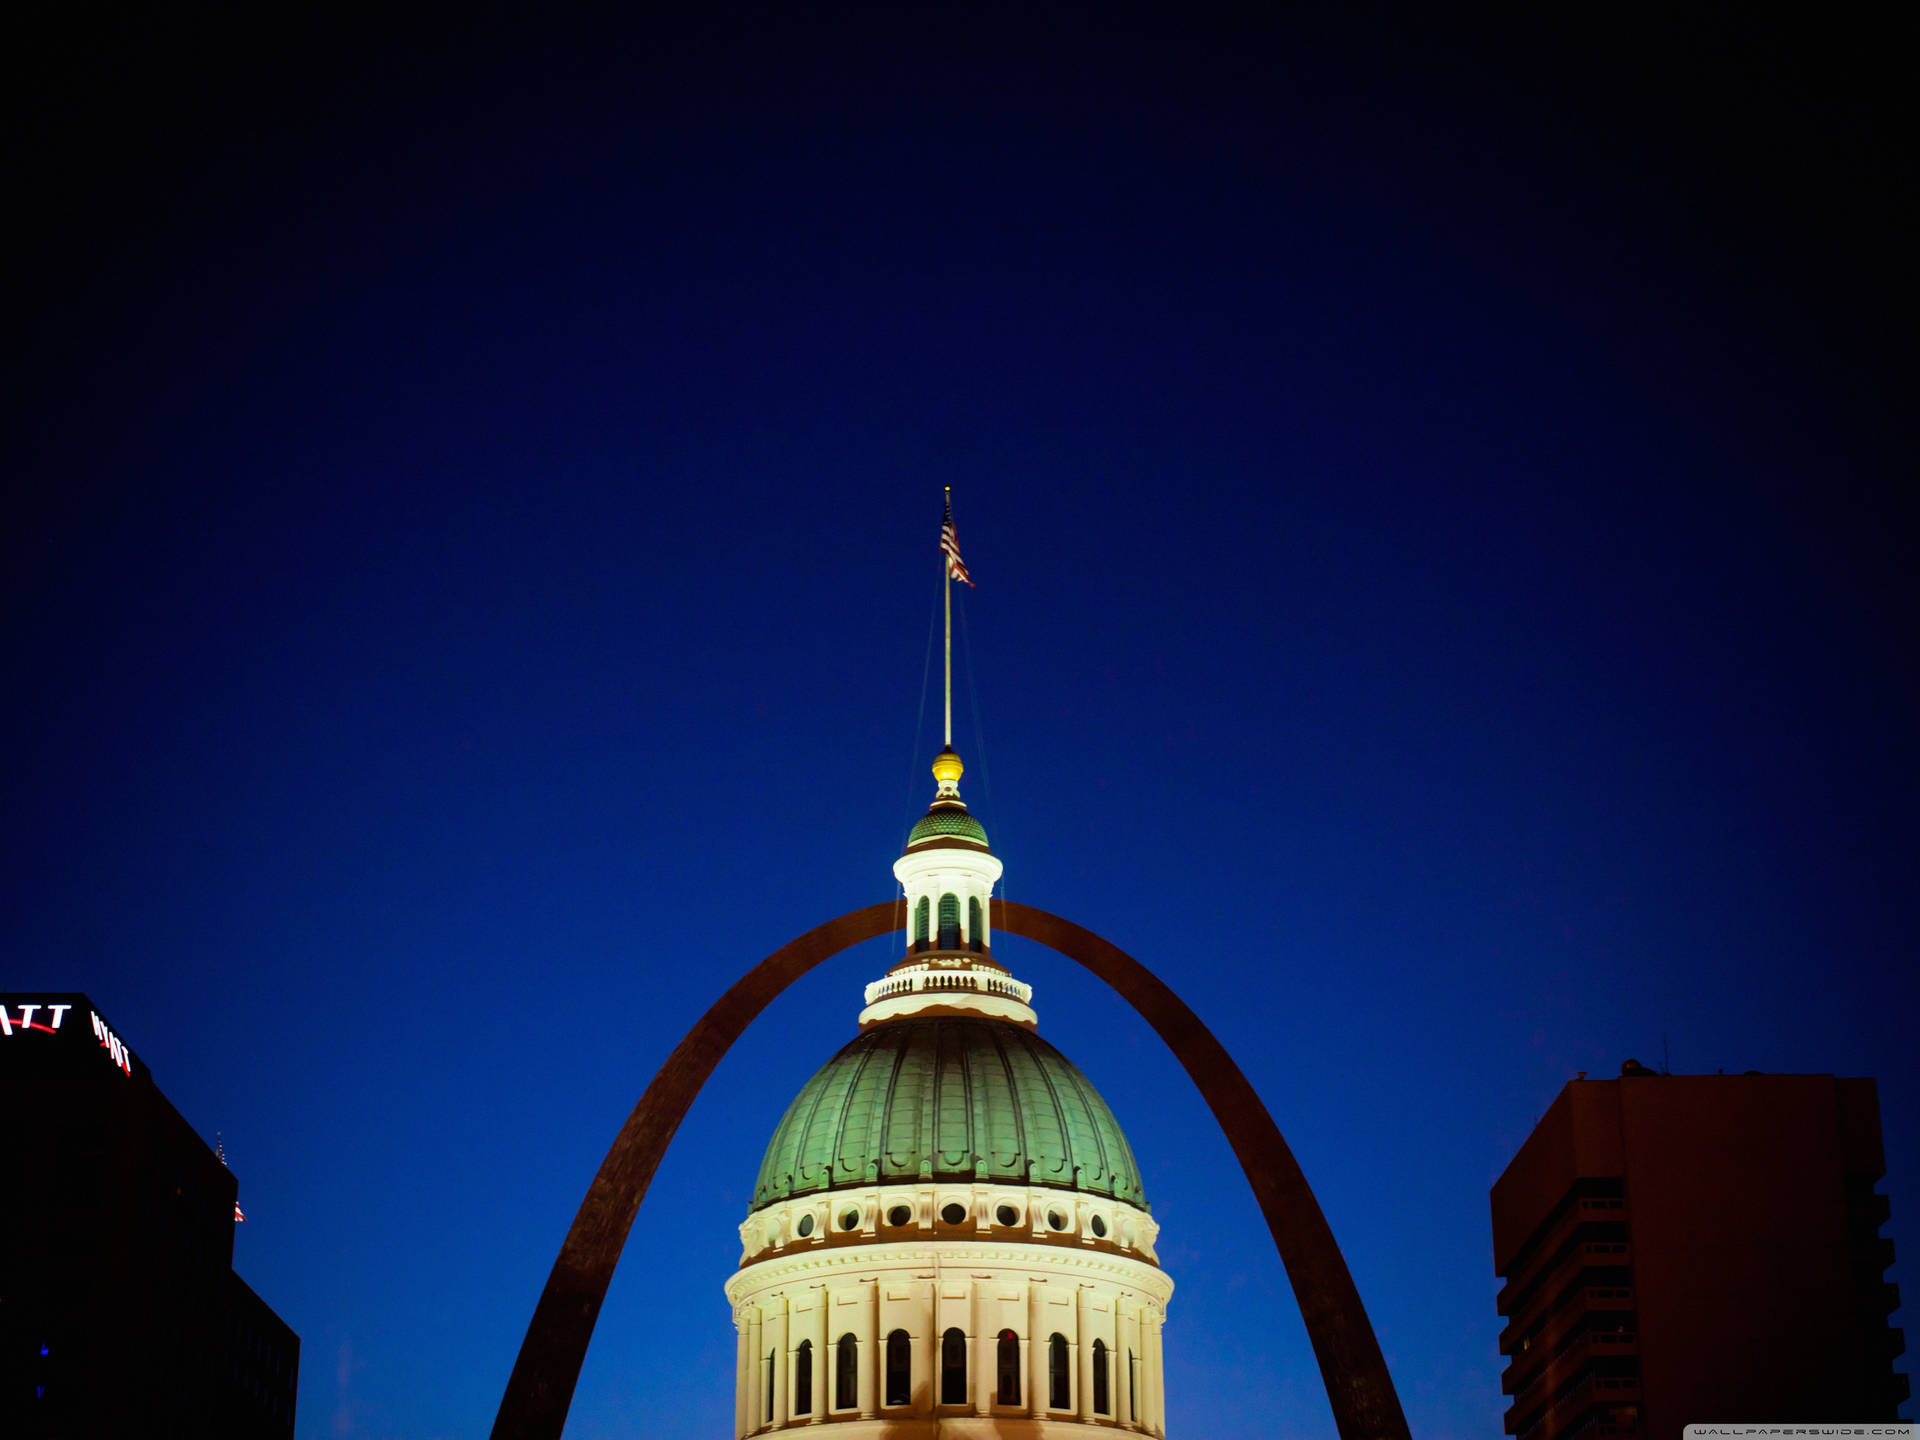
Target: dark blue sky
x=1438, y=499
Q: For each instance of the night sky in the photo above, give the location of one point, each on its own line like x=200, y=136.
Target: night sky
x=1437, y=496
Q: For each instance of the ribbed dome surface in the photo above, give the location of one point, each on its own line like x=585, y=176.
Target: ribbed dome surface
x=946, y=820
x=948, y=1097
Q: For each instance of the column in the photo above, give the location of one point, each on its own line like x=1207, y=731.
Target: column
x=790, y=1366
x=978, y=1373
x=1082, y=1334
x=980, y=1351
x=816, y=1326
x=867, y=1370
x=1137, y=1394
x=742, y=1376
x=756, y=1379
x=1135, y=1373
x=923, y=1380
x=1149, y=1375
x=775, y=1339
x=1039, y=1350
x=1159, y=1378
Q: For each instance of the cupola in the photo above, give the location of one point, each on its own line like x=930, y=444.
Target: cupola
x=947, y=875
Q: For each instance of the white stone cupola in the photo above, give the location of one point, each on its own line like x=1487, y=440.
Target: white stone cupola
x=947, y=875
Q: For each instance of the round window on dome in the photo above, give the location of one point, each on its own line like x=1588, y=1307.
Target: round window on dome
x=954, y=1213
x=1098, y=1226
x=1056, y=1220
x=805, y=1227
x=1007, y=1215
x=849, y=1219
x=899, y=1215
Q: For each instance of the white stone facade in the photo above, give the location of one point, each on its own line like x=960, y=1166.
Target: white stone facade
x=1069, y=1276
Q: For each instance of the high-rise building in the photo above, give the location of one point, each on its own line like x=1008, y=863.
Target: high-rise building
x=120, y=1313
x=948, y=1235
x=1696, y=1249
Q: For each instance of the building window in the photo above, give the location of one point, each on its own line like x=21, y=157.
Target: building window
x=846, y=1373
x=1059, y=1381
x=974, y=928
x=953, y=1368
x=1102, y=1402
x=922, y=923
x=949, y=922
x=1133, y=1388
x=1009, y=1353
x=773, y=1357
x=899, y=1369
x=803, y=1379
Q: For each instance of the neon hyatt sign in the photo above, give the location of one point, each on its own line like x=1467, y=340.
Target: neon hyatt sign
x=57, y=1013
x=114, y=1046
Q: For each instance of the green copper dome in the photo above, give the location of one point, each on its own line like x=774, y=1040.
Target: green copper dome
x=946, y=820
x=948, y=1097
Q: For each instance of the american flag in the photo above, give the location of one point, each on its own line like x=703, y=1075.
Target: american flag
x=950, y=547
x=239, y=1218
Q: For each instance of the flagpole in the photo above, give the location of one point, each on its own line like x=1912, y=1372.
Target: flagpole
x=946, y=589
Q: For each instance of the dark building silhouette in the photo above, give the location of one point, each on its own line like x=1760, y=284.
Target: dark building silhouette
x=1694, y=1249
x=120, y=1313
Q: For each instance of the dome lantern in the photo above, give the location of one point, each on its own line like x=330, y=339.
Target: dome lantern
x=947, y=874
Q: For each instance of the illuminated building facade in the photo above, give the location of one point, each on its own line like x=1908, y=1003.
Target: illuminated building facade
x=1697, y=1249
x=948, y=1236
x=120, y=1313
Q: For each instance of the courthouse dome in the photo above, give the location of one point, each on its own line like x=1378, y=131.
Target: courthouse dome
x=948, y=1097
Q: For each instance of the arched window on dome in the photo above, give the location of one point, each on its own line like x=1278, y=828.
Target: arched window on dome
x=974, y=928
x=922, y=923
x=1102, y=1387
x=953, y=1368
x=949, y=922
x=1009, y=1367
x=803, y=1379
x=899, y=1369
x=1133, y=1387
x=773, y=1359
x=846, y=1372
x=1059, y=1374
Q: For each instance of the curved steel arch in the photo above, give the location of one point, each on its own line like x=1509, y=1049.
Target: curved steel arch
x=540, y=1390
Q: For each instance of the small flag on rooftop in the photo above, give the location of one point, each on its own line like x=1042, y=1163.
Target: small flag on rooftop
x=950, y=547
x=220, y=1153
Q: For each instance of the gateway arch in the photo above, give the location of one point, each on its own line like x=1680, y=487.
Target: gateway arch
x=540, y=1390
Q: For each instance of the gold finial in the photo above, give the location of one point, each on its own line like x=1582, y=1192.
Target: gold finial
x=947, y=770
